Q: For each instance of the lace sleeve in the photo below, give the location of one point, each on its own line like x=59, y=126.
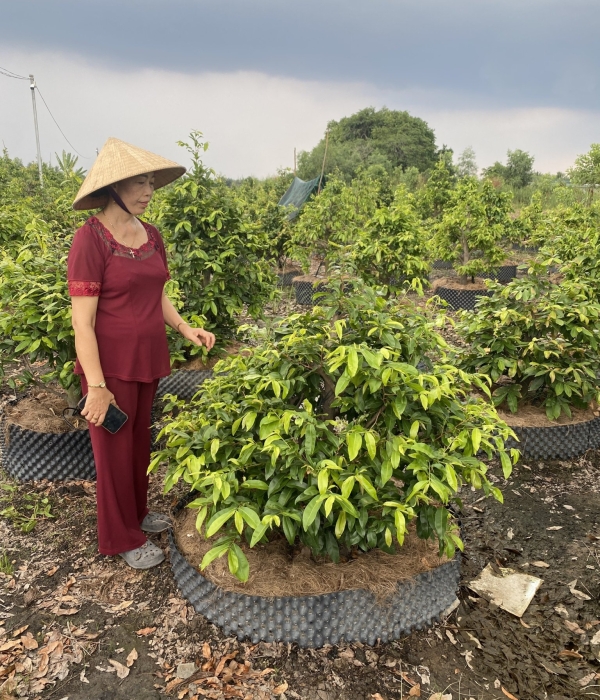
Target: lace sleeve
x=79, y=288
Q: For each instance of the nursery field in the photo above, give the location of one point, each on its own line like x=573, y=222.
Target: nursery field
x=384, y=480
x=62, y=587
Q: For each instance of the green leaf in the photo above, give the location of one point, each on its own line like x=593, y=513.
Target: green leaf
x=386, y=472
x=476, y=439
x=340, y=525
x=399, y=406
x=388, y=536
x=214, y=447
x=310, y=437
x=414, y=429
x=239, y=522
x=347, y=486
x=212, y=554
x=248, y=420
x=258, y=534
x=342, y=383
x=243, y=568
x=200, y=518
x=218, y=520
x=232, y=560
x=250, y=516
x=352, y=366
x=255, y=484
x=367, y=485
x=354, y=440
x=311, y=510
x=371, y=444
x=323, y=481
x=506, y=464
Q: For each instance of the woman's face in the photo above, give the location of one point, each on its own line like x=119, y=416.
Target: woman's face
x=136, y=192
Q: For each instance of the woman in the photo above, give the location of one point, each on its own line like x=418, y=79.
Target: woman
x=117, y=270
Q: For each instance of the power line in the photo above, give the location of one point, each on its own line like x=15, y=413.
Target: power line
x=10, y=74
x=57, y=124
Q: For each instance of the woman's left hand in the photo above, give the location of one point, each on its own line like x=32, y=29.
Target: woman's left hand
x=199, y=336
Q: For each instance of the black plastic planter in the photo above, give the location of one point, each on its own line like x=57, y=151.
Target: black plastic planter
x=184, y=383
x=312, y=621
x=557, y=441
x=305, y=291
x=286, y=278
x=462, y=298
x=504, y=273
x=28, y=455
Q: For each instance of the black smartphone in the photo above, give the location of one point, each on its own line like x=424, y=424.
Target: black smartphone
x=114, y=419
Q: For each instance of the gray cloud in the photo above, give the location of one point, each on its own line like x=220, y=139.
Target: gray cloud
x=509, y=53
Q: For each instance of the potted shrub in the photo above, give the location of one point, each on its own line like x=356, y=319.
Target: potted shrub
x=36, y=334
x=539, y=343
x=469, y=234
x=325, y=229
x=391, y=251
x=327, y=434
x=217, y=256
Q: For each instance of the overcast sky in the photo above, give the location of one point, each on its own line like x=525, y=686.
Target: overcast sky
x=260, y=77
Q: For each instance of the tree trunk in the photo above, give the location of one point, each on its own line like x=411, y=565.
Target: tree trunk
x=73, y=395
x=466, y=257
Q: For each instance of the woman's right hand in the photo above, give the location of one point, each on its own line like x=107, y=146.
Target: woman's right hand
x=96, y=405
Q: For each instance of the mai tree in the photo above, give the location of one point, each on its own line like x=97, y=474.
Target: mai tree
x=337, y=430
x=392, y=250
x=476, y=219
x=216, y=254
x=539, y=342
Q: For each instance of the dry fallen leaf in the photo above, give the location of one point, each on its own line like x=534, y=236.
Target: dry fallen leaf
x=376, y=696
x=525, y=625
x=573, y=627
x=29, y=642
x=52, y=571
x=122, y=671
x=415, y=691
x=510, y=696
x=576, y=593
x=451, y=637
x=121, y=606
x=280, y=688
x=555, y=527
x=57, y=610
x=567, y=653
x=146, y=631
x=586, y=680
x=19, y=631
x=131, y=657
x=540, y=564
x=206, y=652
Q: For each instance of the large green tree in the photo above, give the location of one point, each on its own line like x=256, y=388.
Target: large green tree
x=389, y=138
x=518, y=170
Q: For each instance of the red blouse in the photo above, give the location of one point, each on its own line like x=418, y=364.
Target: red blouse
x=130, y=327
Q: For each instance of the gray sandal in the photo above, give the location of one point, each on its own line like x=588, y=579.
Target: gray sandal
x=155, y=522
x=144, y=557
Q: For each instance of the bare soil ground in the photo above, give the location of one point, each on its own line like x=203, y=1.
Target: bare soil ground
x=71, y=619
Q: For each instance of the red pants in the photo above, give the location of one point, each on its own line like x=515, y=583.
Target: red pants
x=122, y=462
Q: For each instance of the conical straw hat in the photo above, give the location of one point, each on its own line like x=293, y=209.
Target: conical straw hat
x=119, y=160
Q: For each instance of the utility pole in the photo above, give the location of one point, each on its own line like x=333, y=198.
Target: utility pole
x=37, y=133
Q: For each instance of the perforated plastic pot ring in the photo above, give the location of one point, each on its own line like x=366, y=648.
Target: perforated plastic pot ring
x=557, y=441
x=462, y=298
x=306, y=290
x=29, y=455
x=316, y=620
x=505, y=273
x=286, y=278
x=184, y=383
